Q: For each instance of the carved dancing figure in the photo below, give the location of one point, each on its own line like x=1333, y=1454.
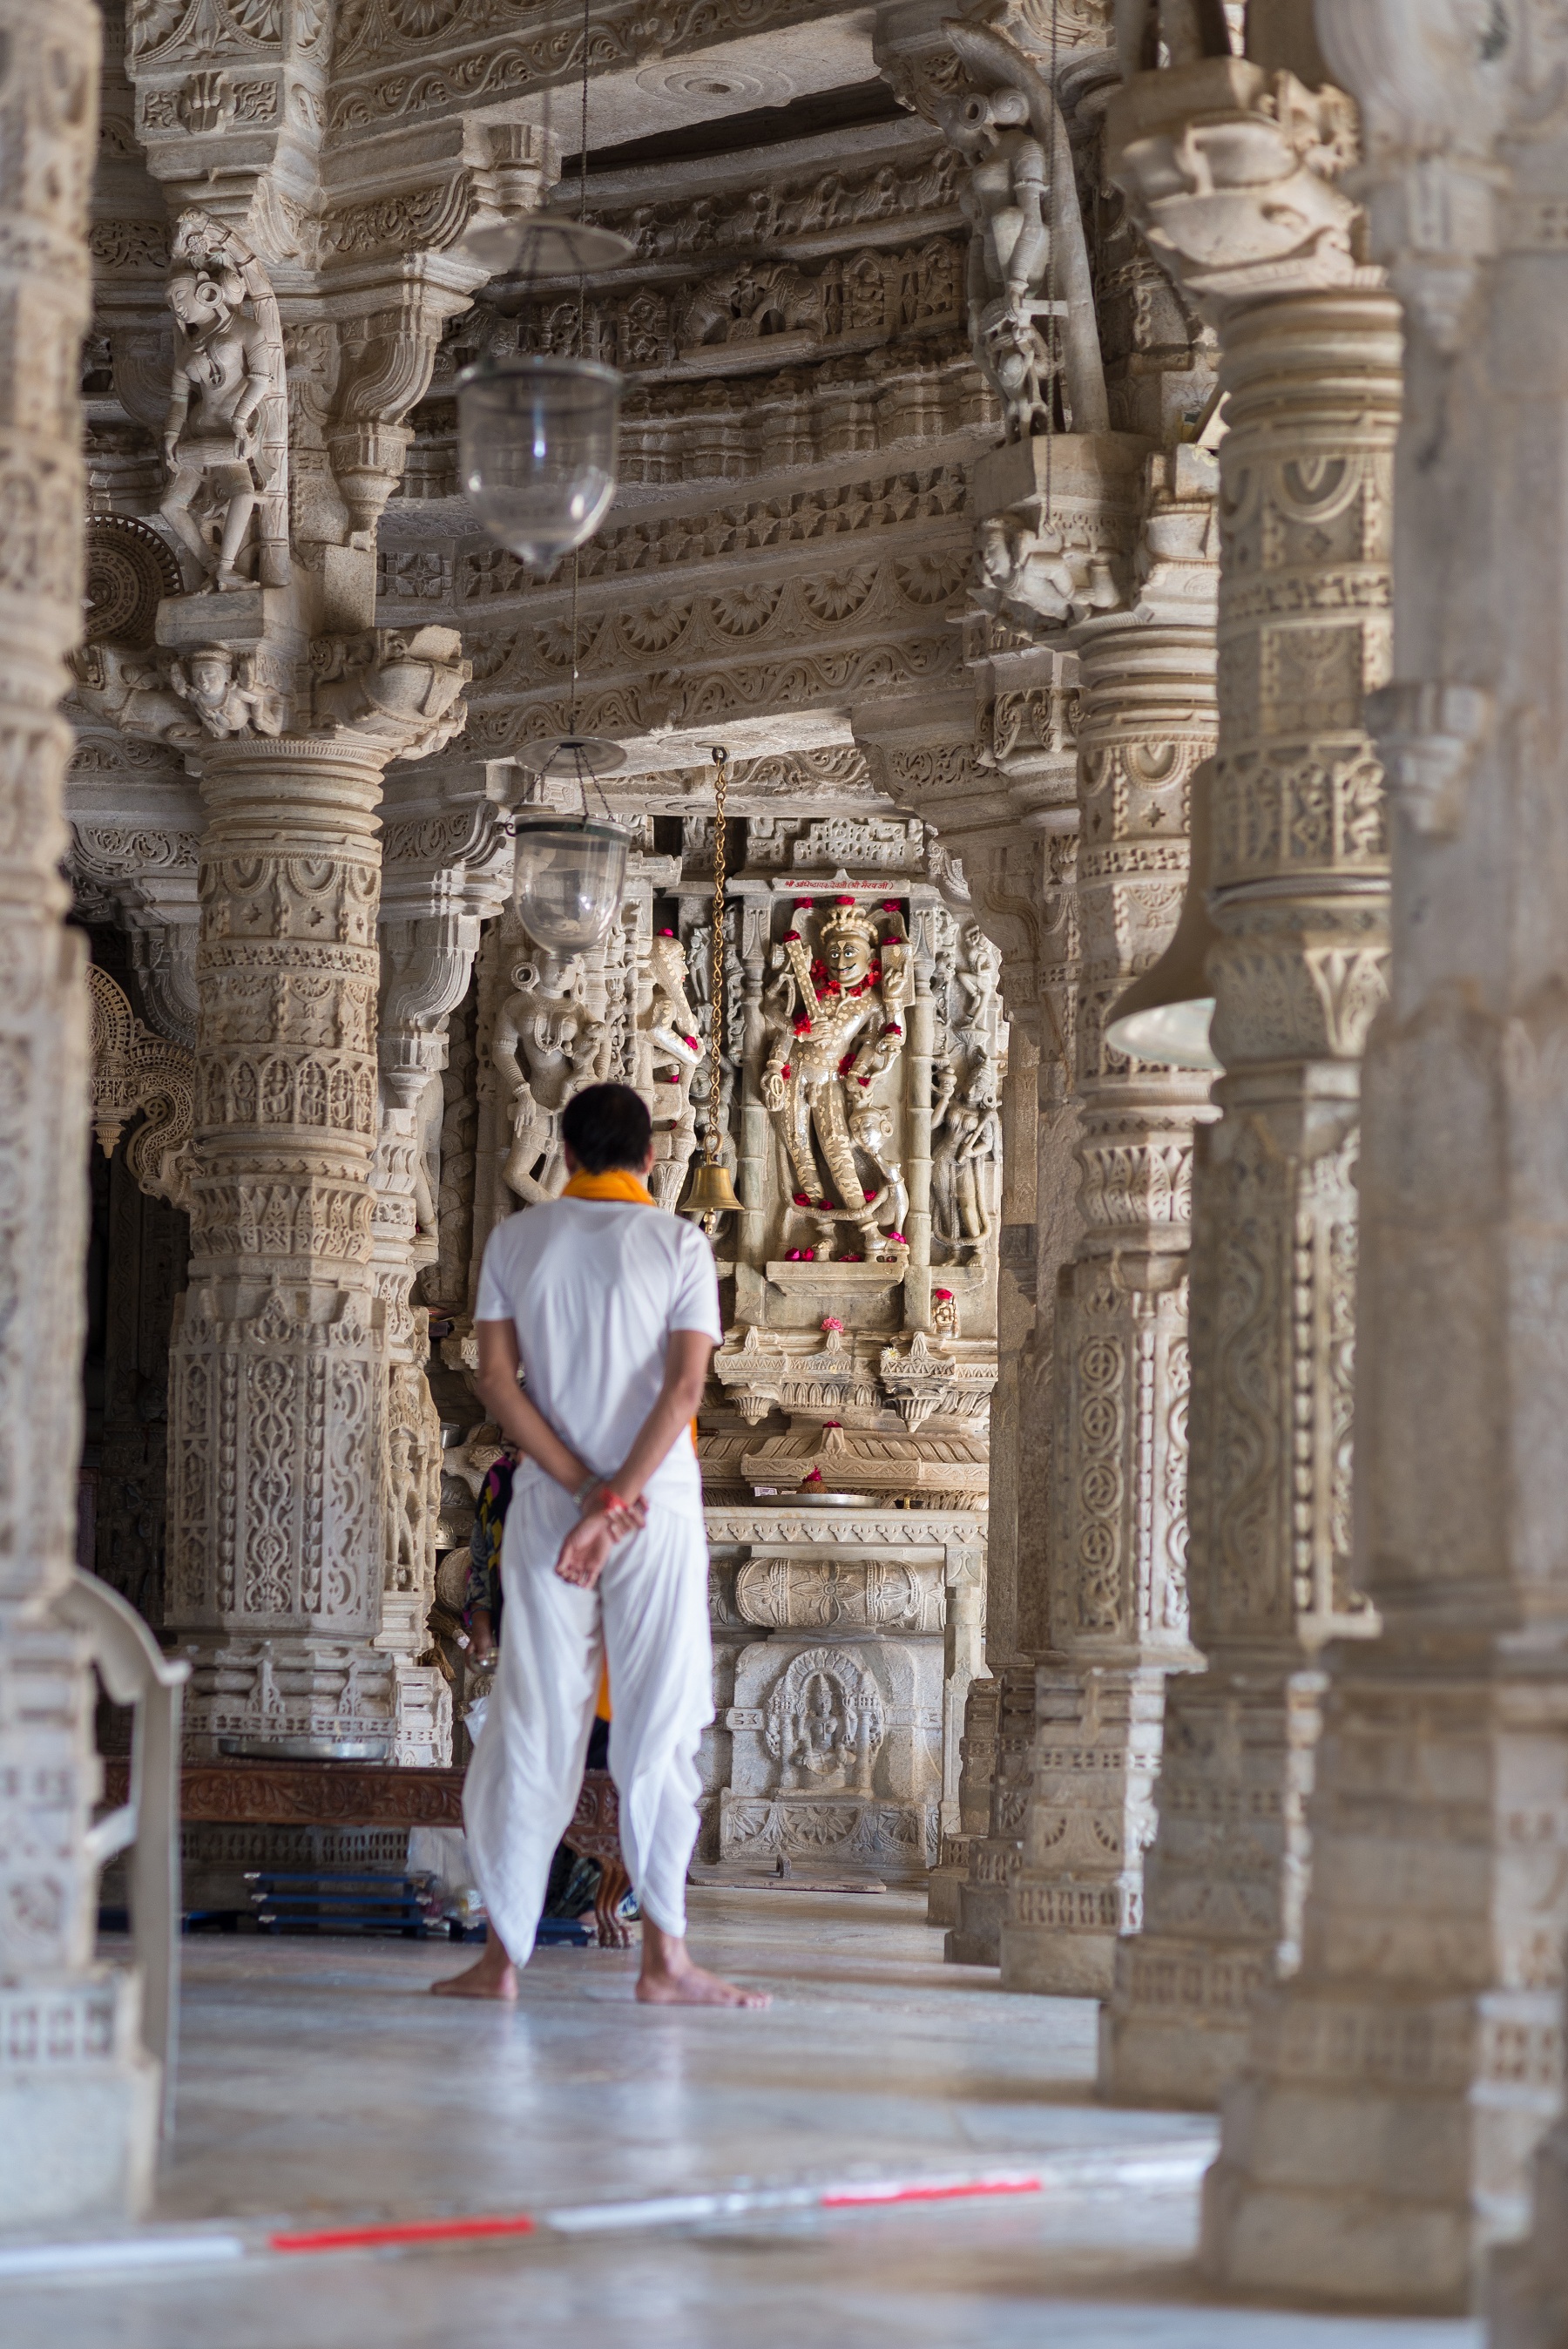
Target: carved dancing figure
x=545, y=1023
x=845, y=1034
x=1028, y=259
x=669, y=1050
x=225, y=437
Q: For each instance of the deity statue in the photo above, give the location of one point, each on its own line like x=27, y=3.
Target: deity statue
x=225, y=437
x=838, y=1029
x=825, y=1749
x=545, y=1021
x=965, y=1144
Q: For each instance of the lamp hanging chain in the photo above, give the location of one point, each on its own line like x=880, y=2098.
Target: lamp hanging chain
x=716, y=1035
x=583, y=193
x=1053, y=348
x=576, y=568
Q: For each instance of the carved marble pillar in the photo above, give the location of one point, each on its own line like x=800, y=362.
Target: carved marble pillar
x=77, y=2098
x=279, y=1363
x=1299, y=896
x=447, y=862
x=1118, y=1529
x=1379, y=2136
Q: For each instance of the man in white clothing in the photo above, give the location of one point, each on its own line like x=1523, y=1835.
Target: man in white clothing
x=610, y=1309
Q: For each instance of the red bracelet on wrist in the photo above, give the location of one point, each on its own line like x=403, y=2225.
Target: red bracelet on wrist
x=612, y=1499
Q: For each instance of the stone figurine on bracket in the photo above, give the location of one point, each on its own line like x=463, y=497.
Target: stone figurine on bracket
x=1028, y=259
x=225, y=438
x=837, y=1016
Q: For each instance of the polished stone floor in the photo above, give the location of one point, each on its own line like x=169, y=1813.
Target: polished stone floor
x=320, y=2086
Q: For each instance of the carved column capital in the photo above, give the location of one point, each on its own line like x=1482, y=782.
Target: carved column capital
x=1234, y=175
x=1435, y=85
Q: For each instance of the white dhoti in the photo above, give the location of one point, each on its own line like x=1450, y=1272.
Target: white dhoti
x=649, y=1619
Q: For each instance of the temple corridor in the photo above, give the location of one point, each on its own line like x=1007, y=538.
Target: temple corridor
x=319, y=2087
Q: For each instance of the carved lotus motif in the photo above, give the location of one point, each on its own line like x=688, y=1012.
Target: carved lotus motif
x=741, y=611
x=838, y=594
x=933, y=578
x=654, y=630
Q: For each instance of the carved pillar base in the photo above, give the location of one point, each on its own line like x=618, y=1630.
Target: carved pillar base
x=976, y=1936
x=1079, y=1879
x=977, y=1767
x=1381, y=2133
x=1223, y=1882
x=1121, y=1460
x=78, y=2096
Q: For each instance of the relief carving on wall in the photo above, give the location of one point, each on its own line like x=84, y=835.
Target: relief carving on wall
x=836, y=1018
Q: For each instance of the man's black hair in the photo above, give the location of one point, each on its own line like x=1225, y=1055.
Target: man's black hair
x=607, y=1125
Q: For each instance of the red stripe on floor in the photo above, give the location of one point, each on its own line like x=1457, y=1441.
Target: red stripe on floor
x=856, y=2197
x=419, y=2230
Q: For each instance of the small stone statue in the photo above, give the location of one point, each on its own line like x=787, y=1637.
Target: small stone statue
x=225, y=437
x=967, y=1142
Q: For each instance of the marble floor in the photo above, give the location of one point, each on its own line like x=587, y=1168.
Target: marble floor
x=320, y=2086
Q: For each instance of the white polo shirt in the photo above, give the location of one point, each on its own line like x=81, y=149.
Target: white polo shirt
x=594, y=1288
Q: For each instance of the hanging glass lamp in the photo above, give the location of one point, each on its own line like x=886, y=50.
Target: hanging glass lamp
x=537, y=451
x=571, y=871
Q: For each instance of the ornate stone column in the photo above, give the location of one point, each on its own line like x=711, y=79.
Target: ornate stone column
x=77, y=2098
x=1311, y=374
x=1118, y=1606
x=447, y=863
x=1395, y=2085
x=278, y=1428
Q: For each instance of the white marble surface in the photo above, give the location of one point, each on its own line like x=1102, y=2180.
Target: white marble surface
x=321, y=2085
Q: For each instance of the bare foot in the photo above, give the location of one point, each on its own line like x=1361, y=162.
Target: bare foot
x=492, y=1975
x=693, y=1986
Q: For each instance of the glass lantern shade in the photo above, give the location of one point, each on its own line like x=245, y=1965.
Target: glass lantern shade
x=569, y=880
x=537, y=451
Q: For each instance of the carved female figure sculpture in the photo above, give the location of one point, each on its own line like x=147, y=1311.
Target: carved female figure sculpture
x=844, y=1033
x=547, y=1023
x=966, y=1142
x=1028, y=261
x=226, y=434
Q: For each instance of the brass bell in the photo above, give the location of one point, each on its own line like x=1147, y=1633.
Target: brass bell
x=1164, y=1015
x=712, y=1192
